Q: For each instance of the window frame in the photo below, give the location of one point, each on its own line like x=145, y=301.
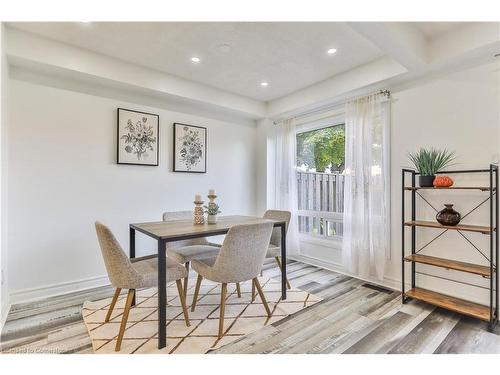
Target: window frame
x=326, y=122
x=332, y=119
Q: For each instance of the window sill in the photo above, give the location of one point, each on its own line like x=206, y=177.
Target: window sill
x=334, y=243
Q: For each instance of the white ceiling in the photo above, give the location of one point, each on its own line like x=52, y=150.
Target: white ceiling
x=432, y=29
x=290, y=56
x=485, y=74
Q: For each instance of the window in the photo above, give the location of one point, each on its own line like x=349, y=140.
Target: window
x=320, y=181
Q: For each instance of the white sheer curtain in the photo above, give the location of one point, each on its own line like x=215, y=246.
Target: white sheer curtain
x=285, y=179
x=367, y=186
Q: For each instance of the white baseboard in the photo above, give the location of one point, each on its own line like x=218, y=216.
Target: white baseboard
x=335, y=267
x=46, y=291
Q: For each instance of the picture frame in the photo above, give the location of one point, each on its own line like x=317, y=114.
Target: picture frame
x=138, y=137
x=190, y=148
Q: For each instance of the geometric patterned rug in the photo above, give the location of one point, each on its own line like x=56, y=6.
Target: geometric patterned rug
x=241, y=318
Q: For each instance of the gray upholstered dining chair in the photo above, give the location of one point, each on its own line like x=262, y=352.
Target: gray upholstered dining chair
x=185, y=251
x=139, y=273
x=274, y=248
x=240, y=259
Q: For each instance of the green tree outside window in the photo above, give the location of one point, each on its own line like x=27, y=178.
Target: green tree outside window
x=322, y=148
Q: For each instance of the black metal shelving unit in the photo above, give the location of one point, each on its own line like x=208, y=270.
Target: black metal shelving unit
x=487, y=313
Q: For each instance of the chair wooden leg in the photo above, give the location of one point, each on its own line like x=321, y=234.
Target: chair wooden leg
x=182, y=297
x=113, y=303
x=186, y=279
x=222, y=307
x=253, y=291
x=196, y=291
x=238, y=290
x=128, y=304
x=278, y=260
x=262, y=297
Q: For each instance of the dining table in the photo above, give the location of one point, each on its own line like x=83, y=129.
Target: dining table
x=177, y=230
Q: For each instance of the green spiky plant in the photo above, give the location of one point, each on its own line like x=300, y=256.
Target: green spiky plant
x=212, y=209
x=430, y=161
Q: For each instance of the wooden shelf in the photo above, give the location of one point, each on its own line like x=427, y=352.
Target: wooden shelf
x=488, y=271
x=462, y=227
x=450, y=264
x=451, y=303
x=482, y=188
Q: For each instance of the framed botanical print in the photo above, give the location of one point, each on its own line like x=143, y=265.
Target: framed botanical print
x=190, y=148
x=138, y=137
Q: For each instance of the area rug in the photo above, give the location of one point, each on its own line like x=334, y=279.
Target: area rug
x=241, y=318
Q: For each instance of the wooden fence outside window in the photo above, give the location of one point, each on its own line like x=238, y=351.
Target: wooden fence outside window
x=321, y=204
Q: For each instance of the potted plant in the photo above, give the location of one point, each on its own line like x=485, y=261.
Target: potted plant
x=430, y=161
x=212, y=210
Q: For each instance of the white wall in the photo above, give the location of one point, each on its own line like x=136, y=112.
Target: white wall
x=4, y=84
x=265, y=165
x=64, y=176
x=458, y=112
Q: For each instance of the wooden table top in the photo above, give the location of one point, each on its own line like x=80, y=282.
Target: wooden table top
x=184, y=229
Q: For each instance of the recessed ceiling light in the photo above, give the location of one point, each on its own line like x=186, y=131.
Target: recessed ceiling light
x=195, y=59
x=264, y=84
x=331, y=51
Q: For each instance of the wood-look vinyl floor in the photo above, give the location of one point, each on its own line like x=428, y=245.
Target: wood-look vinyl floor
x=354, y=317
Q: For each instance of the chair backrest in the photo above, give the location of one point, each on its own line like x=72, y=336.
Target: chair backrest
x=182, y=215
x=281, y=216
x=243, y=252
x=118, y=265
x=177, y=215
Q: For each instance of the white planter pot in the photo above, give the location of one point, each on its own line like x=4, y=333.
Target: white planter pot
x=212, y=219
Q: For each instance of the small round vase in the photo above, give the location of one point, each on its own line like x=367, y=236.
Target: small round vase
x=426, y=181
x=212, y=219
x=448, y=216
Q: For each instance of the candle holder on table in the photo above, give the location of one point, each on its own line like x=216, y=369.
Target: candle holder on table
x=199, y=217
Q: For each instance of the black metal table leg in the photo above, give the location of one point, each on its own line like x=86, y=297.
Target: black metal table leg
x=283, y=261
x=162, y=295
x=132, y=251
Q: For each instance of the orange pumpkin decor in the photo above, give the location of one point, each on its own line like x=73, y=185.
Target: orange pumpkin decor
x=442, y=181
